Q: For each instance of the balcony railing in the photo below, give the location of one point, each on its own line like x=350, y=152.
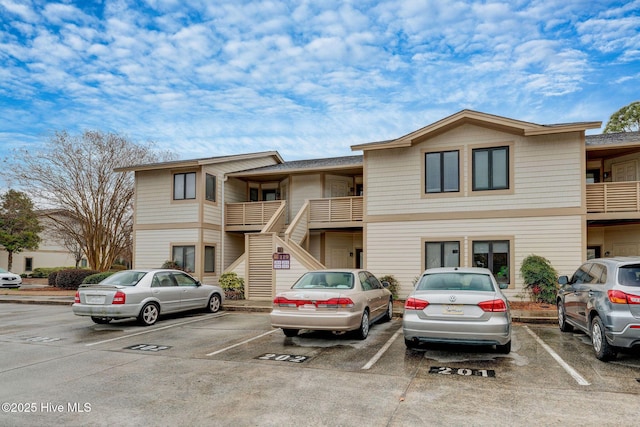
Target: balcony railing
x=250, y=213
x=610, y=197
x=337, y=209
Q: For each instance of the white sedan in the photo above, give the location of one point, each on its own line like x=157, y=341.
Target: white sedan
x=145, y=294
x=9, y=280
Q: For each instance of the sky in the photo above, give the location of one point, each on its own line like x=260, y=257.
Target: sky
x=204, y=78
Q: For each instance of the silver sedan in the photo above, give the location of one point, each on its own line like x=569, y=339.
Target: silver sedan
x=145, y=294
x=457, y=306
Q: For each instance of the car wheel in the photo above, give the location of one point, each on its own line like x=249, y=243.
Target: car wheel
x=562, y=319
x=100, y=320
x=290, y=332
x=389, y=314
x=214, y=304
x=149, y=314
x=604, y=351
x=363, y=330
x=504, y=349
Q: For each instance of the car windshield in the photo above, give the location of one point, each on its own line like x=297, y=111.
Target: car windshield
x=2, y=270
x=455, y=282
x=629, y=275
x=325, y=280
x=124, y=278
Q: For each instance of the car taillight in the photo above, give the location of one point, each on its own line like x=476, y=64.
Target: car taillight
x=77, y=298
x=330, y=303
x=119, y=298
x=335, y=303
x=415, y=304
x=619, y=297
x=495, y=305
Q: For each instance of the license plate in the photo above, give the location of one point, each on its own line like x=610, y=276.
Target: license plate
x=308, y=307
x=452, y=309
x=94, y=299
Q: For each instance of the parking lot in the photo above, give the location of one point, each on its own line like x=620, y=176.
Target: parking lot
x=232, y=368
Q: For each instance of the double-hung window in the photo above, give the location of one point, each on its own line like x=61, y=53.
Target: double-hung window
x=184, y=186
x=442, y=172
x=491, y=168
x=185, y=257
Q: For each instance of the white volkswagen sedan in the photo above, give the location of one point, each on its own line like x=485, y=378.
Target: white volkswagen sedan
x=145, y=295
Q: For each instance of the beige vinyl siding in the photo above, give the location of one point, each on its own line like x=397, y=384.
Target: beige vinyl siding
x=284, y=279
x=302, y=188
x=153, y=247
x=234, y=248
x=396, y=248
x=540, y=164
x=154, y=200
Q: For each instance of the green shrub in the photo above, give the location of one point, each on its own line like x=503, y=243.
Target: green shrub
x=232, y=285
x=72, y=278
x=117, y=267
x=96, y=278
x=51, y=278
x=393, y=284
x=540, y=279
x=172, y=265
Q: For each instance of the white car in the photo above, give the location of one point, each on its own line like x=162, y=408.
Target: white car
x=145, y=295
x=9, y=280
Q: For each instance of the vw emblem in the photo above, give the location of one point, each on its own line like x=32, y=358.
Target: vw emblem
x=452, y=298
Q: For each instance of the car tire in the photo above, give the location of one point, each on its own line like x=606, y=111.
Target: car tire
x=290, y=332
x=603, y=350
x=389, y=314
x=504, y=348
x=149, y=314
x=410, y=344
x=215, y=304
x=100, y=320
x=562, y=318
x=363, y=331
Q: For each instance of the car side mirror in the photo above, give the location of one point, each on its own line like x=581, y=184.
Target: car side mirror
x=198, y=283
x=503, y=285
x=385, y=284
x=563, y=280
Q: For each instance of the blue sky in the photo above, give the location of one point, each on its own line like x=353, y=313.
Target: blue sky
x=307, y=78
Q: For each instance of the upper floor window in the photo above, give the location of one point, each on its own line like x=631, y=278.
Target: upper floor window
x=442, y=172
x=491, y=168
x=184, y=186
x=210, y=189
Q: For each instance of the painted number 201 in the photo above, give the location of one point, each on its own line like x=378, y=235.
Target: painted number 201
x=465, y=372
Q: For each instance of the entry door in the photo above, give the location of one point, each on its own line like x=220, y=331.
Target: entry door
x=339, y=189
x=625, y=171
x=625, y=249
x=339, y=258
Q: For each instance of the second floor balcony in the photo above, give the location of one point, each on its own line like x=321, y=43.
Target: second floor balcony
x=323, y=213
x=613, y=200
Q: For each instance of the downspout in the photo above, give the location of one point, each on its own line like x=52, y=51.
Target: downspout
x=224, y=223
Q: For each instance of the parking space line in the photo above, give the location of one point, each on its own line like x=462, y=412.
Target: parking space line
x=576, y=376
x=243, y=342
x=384, y=348
x=154, y=330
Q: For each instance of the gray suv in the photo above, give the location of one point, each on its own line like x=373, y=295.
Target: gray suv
x=603, y=300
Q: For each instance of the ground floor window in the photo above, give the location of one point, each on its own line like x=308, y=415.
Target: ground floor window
x=442, y=254
x=209, y=259
x=28, y=264
x=185, y=257
x=494, y=255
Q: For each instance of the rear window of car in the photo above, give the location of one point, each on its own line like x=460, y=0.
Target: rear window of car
x=124, y=278
x=629, y=275
x=325, y=280
x=455, y=282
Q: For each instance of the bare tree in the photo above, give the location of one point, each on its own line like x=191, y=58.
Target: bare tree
x=75, y=174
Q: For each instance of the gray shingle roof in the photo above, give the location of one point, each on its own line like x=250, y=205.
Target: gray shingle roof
x=333, y=162
x=613, y=138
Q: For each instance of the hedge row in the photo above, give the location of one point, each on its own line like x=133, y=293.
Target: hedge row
x=69, y=278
